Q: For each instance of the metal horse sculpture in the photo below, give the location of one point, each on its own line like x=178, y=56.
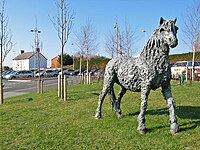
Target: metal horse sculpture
x=150, y=70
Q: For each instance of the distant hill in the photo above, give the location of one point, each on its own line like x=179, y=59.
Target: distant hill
x=100, y=61
x=94, y=62
x=184, y=56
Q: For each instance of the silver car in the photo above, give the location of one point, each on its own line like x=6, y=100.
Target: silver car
x=19, y=74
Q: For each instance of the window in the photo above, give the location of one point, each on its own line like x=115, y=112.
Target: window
x=195, y=63
x=180, y=64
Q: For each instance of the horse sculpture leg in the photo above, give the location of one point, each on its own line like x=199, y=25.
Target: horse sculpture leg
x=101, y=99
x=141, y=117
x=120, y=95
x=108, y=86
x=112, y=97
x=166, y=90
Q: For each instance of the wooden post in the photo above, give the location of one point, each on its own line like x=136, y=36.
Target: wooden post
x=1, y=92
x=186, y=74
x=59, y=76
x=62, y=87
x=65, y=87
x=89, y=78
x=41, y=88
x=84, y=76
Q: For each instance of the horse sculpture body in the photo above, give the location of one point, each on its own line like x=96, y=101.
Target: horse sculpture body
x=150, y=70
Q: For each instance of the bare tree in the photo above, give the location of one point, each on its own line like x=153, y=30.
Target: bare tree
x=129, y=39
x=5, y=42
x=63, y=24
x=121, y=42
x=110, y=44
x=86, y=42
x=192, y=30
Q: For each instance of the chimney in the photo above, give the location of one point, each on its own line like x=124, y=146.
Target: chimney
x=22, y=51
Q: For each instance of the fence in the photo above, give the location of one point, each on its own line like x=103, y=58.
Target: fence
x=84, y=79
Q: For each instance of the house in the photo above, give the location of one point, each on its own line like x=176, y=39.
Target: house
x=54, y=62
x=28, y=61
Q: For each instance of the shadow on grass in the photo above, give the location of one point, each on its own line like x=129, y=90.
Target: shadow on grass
x=152, y=112
x=191, y=113
x=76, y=96
x=19, y=100
x=184, y=112
x=188, y=112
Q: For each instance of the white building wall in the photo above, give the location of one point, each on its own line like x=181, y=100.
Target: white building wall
x=30, y=63
x=15, y=65
x=21, y=64
x=25, y=64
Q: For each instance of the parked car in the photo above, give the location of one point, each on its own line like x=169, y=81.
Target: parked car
x=98, y=71
x=75, y=72
x=91, y=72
x=19, y=74
x=47, y=73
x=7, y=72
x=180, y=67
x=67, y=72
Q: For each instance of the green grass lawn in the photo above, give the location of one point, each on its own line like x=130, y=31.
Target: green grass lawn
x=35, y=121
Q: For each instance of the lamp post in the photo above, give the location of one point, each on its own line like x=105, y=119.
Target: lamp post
x=37, y=50
x=145, y=36
x=117, y=36
x=73, y=56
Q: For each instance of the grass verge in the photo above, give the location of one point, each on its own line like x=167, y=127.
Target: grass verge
x=35, y=121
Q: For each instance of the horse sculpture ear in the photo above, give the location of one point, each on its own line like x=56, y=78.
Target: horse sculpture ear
x=161, y=20
x=175, y=20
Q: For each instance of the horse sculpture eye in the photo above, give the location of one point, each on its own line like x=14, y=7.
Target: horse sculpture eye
x=162, y=30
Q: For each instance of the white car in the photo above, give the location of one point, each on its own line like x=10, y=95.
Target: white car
x=180, y=67
x=67, y=72
x=47, y=73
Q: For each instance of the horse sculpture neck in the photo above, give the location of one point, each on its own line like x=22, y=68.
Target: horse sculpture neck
x=154, y=49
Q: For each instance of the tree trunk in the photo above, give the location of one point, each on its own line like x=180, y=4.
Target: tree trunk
x=1, y=83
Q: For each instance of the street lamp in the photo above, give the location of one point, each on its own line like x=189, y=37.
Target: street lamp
x=117, y=34
x=145, y=36
x=36, y=31
x=73, y=56
x=37, y=50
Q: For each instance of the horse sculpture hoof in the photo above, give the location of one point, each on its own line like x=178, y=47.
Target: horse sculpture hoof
x=142, y=130
x=98, y=115
x=120, y=116
x=174, y=128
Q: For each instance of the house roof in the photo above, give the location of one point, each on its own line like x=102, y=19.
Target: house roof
x=26, y=55
x=56, y=57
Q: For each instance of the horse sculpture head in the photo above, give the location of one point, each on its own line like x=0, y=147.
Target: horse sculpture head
x=167, y=32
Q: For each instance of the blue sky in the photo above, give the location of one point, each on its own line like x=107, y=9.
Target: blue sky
x=140, y=14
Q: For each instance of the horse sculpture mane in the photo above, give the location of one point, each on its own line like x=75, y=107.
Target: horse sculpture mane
x=150, y=70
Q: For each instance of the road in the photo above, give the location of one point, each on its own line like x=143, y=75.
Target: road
x=19, y=87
